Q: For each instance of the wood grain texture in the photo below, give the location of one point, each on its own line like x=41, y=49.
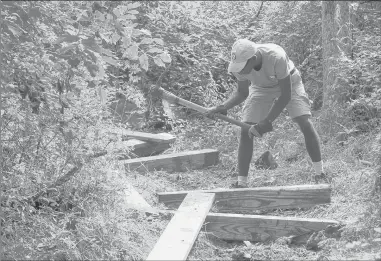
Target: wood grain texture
x=132, y=199
x=261, y=198
x=140, y=148
x=262, y=228
x=178, y=238
x=144, y=136
x=174, y=162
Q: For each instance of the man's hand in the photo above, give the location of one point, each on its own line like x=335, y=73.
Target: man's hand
x=216, y=109
x=260, y=128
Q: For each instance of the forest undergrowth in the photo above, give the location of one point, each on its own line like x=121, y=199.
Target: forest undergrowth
x=74, y=73
x=354, y=201
x=97, y=225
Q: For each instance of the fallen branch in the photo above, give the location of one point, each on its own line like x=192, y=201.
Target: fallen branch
x=252, y=23
x=65, y=178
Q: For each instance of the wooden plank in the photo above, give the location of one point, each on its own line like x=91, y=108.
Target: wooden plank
x=181, y=232
x=144, y=136
x=174, y=162
x=261, y=198
x=262, y=228
x=132, y=199
x=140, y=148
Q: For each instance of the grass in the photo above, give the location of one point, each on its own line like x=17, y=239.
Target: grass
x=352, y=199
x=98, y=225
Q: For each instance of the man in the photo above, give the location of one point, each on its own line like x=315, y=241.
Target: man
x=275, y=84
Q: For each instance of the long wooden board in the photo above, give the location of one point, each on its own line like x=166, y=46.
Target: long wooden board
x=140, y=148
x=262, y=228
x=180, y=234
x=174, y=162
x=144, y=136
x=261, y=198
x=132, y=199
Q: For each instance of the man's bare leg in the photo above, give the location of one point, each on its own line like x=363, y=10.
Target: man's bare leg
x=245, y=153
x=312, y=142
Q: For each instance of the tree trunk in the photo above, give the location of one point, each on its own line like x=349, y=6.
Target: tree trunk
x=344, y=27
x=336, y=47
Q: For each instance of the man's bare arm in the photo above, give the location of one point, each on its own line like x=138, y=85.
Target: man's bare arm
x=238, y=96
x=282, y=101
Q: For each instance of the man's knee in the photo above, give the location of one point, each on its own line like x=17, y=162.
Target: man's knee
x=244, y=133
x=304, y=123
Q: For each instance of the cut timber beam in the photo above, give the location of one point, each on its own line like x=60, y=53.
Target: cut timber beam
x=262, y=198
x=174, y=162
x=144, y=149
x=179, y=236
x=262, y=228
x=134, y=200
x=158, y=137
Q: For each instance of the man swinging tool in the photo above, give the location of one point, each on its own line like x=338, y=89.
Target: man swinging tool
x=275, y=84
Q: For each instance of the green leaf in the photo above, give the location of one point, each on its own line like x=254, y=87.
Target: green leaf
x=123, y=8
x=92, y=68
x=129, y=16
x=158, y=41
x=109, y=17
x=101, y=72
x=116, y=12
x=8, y=46
x=102, y=95
x=145, y=32
x=133, y=5
x=134, y=12
x=100, y=16
x=132, y=52
x=106, y=51
x=63, y=50
x=91, y=44
x=165, y=57
x=15, y=31
x=67, y=39
x=146, y=41
x=115, y=37
x=118, y=27
x=74, y=62
x=91, y=84
x=143, y=59
x=110, y=60
x=91, y=54
x=14, y=28
x=34, y=12
x=158, y=61
x=155, y=50
x=126, y=41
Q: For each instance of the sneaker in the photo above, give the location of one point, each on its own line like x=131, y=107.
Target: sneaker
x=235, y=185
x=322, y=178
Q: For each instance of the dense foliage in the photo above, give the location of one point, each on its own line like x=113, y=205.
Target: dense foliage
x=72, y=71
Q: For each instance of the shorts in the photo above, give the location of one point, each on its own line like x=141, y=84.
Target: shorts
x=260, y=100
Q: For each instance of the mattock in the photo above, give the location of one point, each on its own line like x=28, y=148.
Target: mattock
x=160, y=92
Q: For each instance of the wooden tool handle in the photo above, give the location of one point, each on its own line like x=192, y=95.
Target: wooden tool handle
x=174, y=99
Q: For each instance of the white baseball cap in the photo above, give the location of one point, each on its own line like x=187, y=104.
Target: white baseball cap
x=242, y=51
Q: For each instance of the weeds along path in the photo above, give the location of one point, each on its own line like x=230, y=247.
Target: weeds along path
x=351, y=200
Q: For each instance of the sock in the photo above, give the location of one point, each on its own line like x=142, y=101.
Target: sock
x=242, y=180
x=318, y=167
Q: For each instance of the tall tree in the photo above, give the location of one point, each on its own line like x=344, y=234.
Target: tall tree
x=336, y=47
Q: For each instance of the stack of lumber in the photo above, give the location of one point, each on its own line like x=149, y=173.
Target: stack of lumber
x=145, y=144
x=191, y=209
x=193, y=215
